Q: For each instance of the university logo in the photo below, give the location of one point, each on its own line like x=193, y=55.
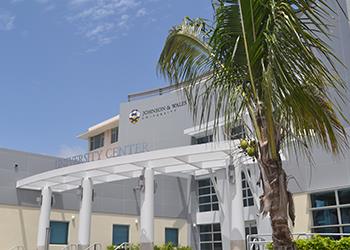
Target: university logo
x=134, y=116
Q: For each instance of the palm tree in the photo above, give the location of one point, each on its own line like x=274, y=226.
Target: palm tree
x=268, y=59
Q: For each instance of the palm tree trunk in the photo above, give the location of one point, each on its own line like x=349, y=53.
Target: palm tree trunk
x=276, y=200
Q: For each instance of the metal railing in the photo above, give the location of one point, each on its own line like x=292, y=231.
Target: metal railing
x=260, y=241
x=71, y=247
x=124, y=245
x=95, y=246
x=17, y=248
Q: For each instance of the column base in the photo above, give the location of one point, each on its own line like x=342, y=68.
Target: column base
x=82, y=247
x=146, y=246
x=238, y=245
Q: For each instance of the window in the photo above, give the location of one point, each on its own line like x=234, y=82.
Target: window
x=202, y=140
x=331, y=211
x=210, y=237
x=207, y=199
x=114, y=134
x=120, y=234
x=172, y=236
x=59, y=232
x=237, y=132
x=96, y=141
x=250, y=228
x=248, y=199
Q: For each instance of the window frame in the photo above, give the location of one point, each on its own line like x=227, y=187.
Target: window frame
x=116, y=134
x=92, y=141
x=120, y=225
x=245, y=191
x=211, y=233
x=213, y=202
x=338, y=207
x=66, y=235
x=177, y=235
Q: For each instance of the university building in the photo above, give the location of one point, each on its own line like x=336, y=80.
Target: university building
x=151, y=175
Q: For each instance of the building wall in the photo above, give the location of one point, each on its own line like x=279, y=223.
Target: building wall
x=302, y=213
x=19, y=227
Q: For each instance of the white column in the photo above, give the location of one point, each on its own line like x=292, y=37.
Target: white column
x=147, y=211
x=44, y=218
x=237, y=218
x=85, y=213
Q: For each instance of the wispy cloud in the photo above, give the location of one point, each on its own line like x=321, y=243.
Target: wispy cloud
x=102, y=21
x=7, y=20
x=141, y=12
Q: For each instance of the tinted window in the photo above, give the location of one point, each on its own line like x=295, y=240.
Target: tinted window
x=120, y=234
x=171, y=236
x=59, y=232
x=323, y=199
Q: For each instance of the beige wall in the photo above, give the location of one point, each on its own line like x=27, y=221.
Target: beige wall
x=302, y=212
x=18, y=226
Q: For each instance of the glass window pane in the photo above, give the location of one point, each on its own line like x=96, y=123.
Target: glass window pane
x=216, y=227
x=323, y=199
x=325, y=217
x=215, y=207
x=254, y=230
x=250, y=202
x=204, y=191
x=204, y=199
x=245, y=203
x=217, y=237
x=204, y=208
x=172, y=236
x=345, y=215
x=59, y=232
x=120, y=234
x=203, y=183
x=346, y=230
x=344, y=196
x=206, y=237
x=206, y=246
x=217, y=246
x=205, y=228
x=214, y=198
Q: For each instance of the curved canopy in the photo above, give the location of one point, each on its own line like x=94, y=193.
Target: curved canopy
x=180, y=161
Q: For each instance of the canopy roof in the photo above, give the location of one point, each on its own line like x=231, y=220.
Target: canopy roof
x=180, y=161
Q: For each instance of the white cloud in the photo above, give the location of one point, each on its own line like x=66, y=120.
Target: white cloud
x=66, y=151
x=102, y=20
x=7, y=20
x=141, y=12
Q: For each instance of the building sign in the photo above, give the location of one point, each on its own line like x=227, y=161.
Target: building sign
x=135, y=115
x=103, y=154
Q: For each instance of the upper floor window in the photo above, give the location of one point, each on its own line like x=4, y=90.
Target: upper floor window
x=237, y=132
x=208, y=201
x=331, y=211
x=114, y=134
x=96, y=141
x=248, y=199
x=202, y=139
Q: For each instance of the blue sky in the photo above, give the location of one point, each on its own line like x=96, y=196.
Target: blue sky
x=67, y=64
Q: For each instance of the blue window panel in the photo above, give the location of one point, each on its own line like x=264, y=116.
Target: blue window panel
x=325, y=217
x=59, y=232
x=120, y=234
x=172, y=236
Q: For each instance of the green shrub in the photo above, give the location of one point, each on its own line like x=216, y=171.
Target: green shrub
x=319, y=243
x=111, y=247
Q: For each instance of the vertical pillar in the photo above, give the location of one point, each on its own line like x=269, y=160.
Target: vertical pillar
x=147, y=211
x=237, y=218
x=44, y=218
x=85, y=214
